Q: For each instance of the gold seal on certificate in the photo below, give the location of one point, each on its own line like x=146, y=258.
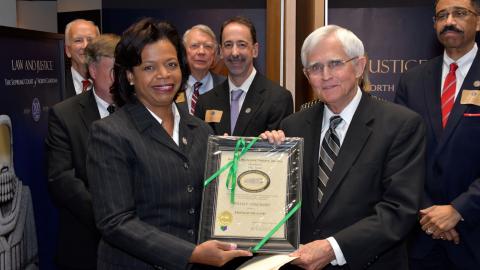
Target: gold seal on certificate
x=267, y=183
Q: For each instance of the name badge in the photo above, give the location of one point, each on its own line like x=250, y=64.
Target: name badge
x=180, y=97
x=213, y=116
x=470, y=97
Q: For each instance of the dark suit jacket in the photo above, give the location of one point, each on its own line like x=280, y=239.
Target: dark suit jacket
x=453, y=169
x=217, y=79
x=372, y=198
x=69, y=90
x=146, y=189
x=265, y=105
x=68, y=127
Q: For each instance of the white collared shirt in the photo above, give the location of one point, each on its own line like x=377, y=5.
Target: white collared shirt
x=464, y=63
x=346, y=114
x=207, y=85
x=176, y=122
x=102, y=105
x=244, y=87
x=77, y=81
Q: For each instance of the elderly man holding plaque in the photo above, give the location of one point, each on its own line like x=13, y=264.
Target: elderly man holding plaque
x=363, y=168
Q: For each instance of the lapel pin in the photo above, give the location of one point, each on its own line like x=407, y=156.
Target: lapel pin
x=476, y=83
x=184, y=140
x=248, y=110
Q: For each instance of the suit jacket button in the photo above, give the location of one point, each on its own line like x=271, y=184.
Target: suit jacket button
x=189, y=189
x=191, y=211
x=185, y=165
x=191, y=232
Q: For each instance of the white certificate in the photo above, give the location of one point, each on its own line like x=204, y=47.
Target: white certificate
x=260, y=196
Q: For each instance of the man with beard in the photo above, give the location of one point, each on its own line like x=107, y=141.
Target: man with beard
x=446, y=92
x=247, y=103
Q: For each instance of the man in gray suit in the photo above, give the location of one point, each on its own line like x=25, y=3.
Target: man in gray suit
x=201, y=46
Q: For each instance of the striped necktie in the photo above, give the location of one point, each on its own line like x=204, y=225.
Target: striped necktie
x=448, y=94
x=328, y=154
x=195, y=95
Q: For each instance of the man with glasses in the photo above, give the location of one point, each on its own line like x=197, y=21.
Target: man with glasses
x=247, y=103
x=201, y=46
x=363, y=164
x=446, y=91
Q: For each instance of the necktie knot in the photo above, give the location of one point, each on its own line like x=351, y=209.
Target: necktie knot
x=85, y=85
x=453, y=67
x=196, y=86
x=236, y=94
x=335, y=121
x=111, y=109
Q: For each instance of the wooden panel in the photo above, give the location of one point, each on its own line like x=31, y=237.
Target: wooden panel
x=273, y=40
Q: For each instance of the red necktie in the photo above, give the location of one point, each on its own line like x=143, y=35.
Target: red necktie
x=448, y=94
x=85, y=85
x=195, y=96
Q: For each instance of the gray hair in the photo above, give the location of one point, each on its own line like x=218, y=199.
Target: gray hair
x=202, y=28
x=70, y=24
x=351, y=44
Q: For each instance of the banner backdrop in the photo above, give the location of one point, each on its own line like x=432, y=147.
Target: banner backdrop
x=31, y=74
x=395, y=39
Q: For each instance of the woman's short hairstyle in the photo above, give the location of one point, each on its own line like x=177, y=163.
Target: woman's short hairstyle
x=128, y=54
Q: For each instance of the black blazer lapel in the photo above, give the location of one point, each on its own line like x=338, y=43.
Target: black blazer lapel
x=222, y=103
x=459, y=109
x=69, y=89
x=186, y=132
x=148, y=125
x=251, y=106
x=433, y=88
x=355, y=138
x=89, y=110
x=311, y=135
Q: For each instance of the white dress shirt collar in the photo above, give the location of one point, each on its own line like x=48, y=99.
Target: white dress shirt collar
x=102, y=105
x=77, y=81
x=346, y=114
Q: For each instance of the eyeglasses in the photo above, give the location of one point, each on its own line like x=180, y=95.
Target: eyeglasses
x=208, y=46
x=241, y=45
x=458, y=14
x=317, y=69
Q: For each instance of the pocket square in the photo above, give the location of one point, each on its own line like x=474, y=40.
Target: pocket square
x=471, y=114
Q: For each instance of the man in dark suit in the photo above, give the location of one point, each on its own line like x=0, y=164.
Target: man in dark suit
x=201, y=47
x=68, y=127
x=444, y=91
x=247, y=103
x=363, y=165
x=78, y=33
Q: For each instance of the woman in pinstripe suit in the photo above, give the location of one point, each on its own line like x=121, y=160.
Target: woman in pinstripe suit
x=145, y=162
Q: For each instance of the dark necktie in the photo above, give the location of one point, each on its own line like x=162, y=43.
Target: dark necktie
x=195, y=95
x=111, y=109
x=234, y=108
x=85, y=85
x=328, y=154
x=448, y=94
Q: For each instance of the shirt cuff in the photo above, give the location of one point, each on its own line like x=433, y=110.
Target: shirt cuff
x=339, y=258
